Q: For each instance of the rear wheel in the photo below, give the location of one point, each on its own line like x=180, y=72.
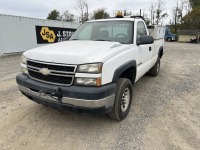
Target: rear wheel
x=154, y=71
x=123, y=100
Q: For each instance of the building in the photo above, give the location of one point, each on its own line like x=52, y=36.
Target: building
x=186, y=35
x=18, y=34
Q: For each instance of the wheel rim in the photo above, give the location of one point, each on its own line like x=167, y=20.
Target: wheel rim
x=125, y=100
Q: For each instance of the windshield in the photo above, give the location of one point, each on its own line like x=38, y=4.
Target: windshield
x=115, y=31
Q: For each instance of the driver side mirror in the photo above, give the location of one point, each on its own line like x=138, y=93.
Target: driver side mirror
x=145, y=39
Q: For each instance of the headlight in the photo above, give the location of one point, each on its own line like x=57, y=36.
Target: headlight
x=24, y=70
x=88, y=81
x=23, y=65
x=23, y=60
x=90, y=68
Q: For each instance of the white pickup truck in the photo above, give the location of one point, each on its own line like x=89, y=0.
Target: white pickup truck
x=95, y=70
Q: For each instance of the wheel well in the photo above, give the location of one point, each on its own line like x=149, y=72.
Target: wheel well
x=130, y=74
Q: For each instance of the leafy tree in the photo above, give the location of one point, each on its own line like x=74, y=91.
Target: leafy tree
x=100, y=14
x=177, y=14
x=194, y=3
x=54, y=15
x=192, y=20
x=68, y=17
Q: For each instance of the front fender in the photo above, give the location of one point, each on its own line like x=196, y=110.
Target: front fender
x=123, y=68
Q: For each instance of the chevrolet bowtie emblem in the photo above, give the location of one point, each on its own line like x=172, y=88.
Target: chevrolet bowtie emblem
x=45, y=71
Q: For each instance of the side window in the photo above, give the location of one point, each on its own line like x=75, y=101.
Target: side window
x=141, y=30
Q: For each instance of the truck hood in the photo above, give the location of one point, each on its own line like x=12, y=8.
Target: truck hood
x=76, y=52
x=173, y=35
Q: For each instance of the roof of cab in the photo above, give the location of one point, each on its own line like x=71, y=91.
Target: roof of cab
x=115, y=19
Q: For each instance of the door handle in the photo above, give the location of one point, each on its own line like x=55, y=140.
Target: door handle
x=150, y=48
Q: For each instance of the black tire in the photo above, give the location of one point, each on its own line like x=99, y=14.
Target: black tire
x=154, y=71
x=117, y=113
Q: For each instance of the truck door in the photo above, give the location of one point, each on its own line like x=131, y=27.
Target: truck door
x=144, y=51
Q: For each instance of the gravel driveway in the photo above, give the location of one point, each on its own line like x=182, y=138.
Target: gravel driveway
x=165, y=113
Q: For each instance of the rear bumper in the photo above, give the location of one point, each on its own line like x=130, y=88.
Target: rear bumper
x=97, y=100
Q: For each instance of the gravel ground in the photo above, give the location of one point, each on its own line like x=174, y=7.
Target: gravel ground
x=165, y=113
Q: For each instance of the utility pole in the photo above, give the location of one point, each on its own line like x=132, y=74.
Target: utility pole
x=87, y=15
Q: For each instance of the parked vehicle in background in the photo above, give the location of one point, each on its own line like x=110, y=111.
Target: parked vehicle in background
x=169, y=36
x=194, y=39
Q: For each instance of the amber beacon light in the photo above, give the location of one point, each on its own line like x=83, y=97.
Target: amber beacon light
x=119, y=14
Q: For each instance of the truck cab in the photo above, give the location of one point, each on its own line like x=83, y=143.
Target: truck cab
x=95, y=70
x=169, y=36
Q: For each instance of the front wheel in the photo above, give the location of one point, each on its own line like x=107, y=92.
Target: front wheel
x=123, y=100
x=169, y=39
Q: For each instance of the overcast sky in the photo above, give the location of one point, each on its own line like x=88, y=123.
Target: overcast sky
x=41, y=8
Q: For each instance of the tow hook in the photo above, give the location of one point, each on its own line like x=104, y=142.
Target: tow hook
x=57, y=95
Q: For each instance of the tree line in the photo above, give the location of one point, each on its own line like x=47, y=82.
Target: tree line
x=192, y=19
x=188, y=21
x=82, y=10
x=185, y=15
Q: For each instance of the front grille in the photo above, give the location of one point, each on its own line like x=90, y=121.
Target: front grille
x=51, y=78
x=51, y=67
x=58, y=74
